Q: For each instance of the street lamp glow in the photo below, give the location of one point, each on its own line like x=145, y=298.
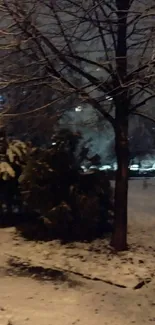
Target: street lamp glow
x=78, y=109
x=109, y=98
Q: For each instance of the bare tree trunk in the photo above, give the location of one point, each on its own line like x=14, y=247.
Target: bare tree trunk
x=119, y=237
x=121, y=98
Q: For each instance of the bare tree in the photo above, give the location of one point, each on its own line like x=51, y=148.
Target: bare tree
x=106, y=45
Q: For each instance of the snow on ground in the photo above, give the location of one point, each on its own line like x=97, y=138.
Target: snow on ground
x=94, y=286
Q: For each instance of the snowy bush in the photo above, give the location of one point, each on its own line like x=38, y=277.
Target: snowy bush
x=70, y=204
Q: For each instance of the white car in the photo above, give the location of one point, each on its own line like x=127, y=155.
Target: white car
x=134, y=167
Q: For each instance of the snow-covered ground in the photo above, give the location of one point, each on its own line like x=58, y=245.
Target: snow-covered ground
x=89, y=284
